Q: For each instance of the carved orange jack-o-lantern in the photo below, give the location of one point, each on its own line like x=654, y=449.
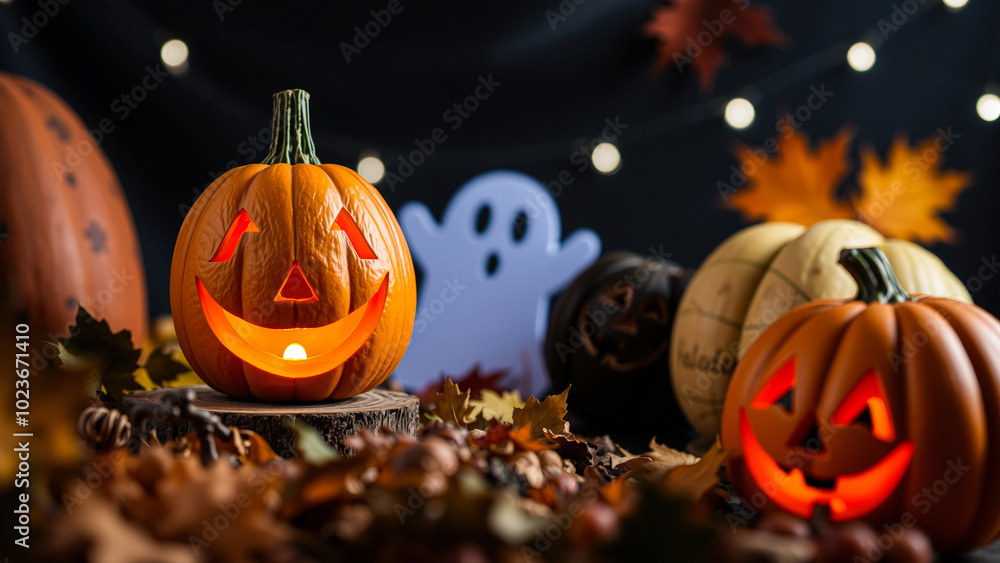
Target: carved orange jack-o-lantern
x=291, y=279
x=884, y=408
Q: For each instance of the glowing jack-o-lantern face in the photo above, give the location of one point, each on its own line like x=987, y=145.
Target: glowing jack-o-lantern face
x=299, y=351
x=807, y=477
x=291, y=279
x=884, y=408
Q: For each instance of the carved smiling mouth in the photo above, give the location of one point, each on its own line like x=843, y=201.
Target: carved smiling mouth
x=848, y=496
x=294, y=352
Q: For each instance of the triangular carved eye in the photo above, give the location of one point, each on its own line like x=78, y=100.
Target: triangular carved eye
x=866, y=404
x=785, y=401
x=345, y=223
x=779, y=388
x=241, y=225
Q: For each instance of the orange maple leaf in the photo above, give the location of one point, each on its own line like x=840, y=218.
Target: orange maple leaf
x=523, y=438
x=795, y=184
x=692, y=33
x=902, y=197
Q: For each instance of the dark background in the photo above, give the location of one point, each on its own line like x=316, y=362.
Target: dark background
x=557, y=87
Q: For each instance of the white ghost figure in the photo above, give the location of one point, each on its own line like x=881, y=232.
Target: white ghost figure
x=490, y=269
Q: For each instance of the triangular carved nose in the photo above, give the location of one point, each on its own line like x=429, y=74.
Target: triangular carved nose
x=296, y=287
x=808, y=437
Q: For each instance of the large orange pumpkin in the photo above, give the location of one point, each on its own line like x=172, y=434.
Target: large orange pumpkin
x=66, y=232
x=884, y=408
x=291, y=279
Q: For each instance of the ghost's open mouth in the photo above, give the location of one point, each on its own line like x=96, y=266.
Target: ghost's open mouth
x=294, y=352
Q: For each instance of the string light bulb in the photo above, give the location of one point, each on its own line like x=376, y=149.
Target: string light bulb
x=861, y=56
x=174, y=55
x=372, y=169
x=739, y=113
x=955, y=4
x=606, y=158
x=988, y=107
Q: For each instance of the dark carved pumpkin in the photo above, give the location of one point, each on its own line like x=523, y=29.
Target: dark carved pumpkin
x=884, y=408
x=291, y=279
x=608, y=336
x=66, y=232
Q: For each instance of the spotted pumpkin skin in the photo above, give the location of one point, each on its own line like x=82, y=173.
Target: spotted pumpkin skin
x=67, y=237
x=937, y=366
x=294, y=206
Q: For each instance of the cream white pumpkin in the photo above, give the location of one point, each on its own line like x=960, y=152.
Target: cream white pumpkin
x=757, y=275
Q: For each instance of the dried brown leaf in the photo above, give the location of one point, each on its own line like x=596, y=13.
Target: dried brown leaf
x=96, y=531
x=540, y=415
x=451, y=405
x=573, y=448
x=695, y=479
x=475, y=381
x=662, y=459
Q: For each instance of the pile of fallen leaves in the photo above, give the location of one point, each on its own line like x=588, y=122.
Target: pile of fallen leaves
x=475, y=484
x=488, y=477
x=468, y=487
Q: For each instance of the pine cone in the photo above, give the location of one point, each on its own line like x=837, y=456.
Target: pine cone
x=103, y=428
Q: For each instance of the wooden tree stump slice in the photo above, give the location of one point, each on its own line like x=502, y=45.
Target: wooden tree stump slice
x=335, y=420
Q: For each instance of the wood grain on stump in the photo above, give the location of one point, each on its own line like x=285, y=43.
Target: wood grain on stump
x=335, y=420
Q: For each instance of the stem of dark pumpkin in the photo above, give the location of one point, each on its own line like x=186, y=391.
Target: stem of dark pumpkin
x=877, y=282
x=291, y=139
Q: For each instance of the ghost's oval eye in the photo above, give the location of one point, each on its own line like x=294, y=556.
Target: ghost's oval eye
x=482, y=219
x=344, y=222
x=520, y=226
x=241, y=225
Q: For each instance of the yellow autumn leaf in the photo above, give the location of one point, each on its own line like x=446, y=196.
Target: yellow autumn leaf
x=452, y=405
x=796, y=184
x=902, y=197
x=499, y=406
x=540, y=415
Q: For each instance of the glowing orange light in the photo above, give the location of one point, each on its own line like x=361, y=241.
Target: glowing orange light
x=867, y=392
x=344, y=222
x=882, y=427
x=265, y=348
x=240, y=225
x=295, y=352
x=852, y=496
x=781, y=382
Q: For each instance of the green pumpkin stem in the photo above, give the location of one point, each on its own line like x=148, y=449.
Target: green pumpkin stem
x=291, y=139
x=877, y=282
